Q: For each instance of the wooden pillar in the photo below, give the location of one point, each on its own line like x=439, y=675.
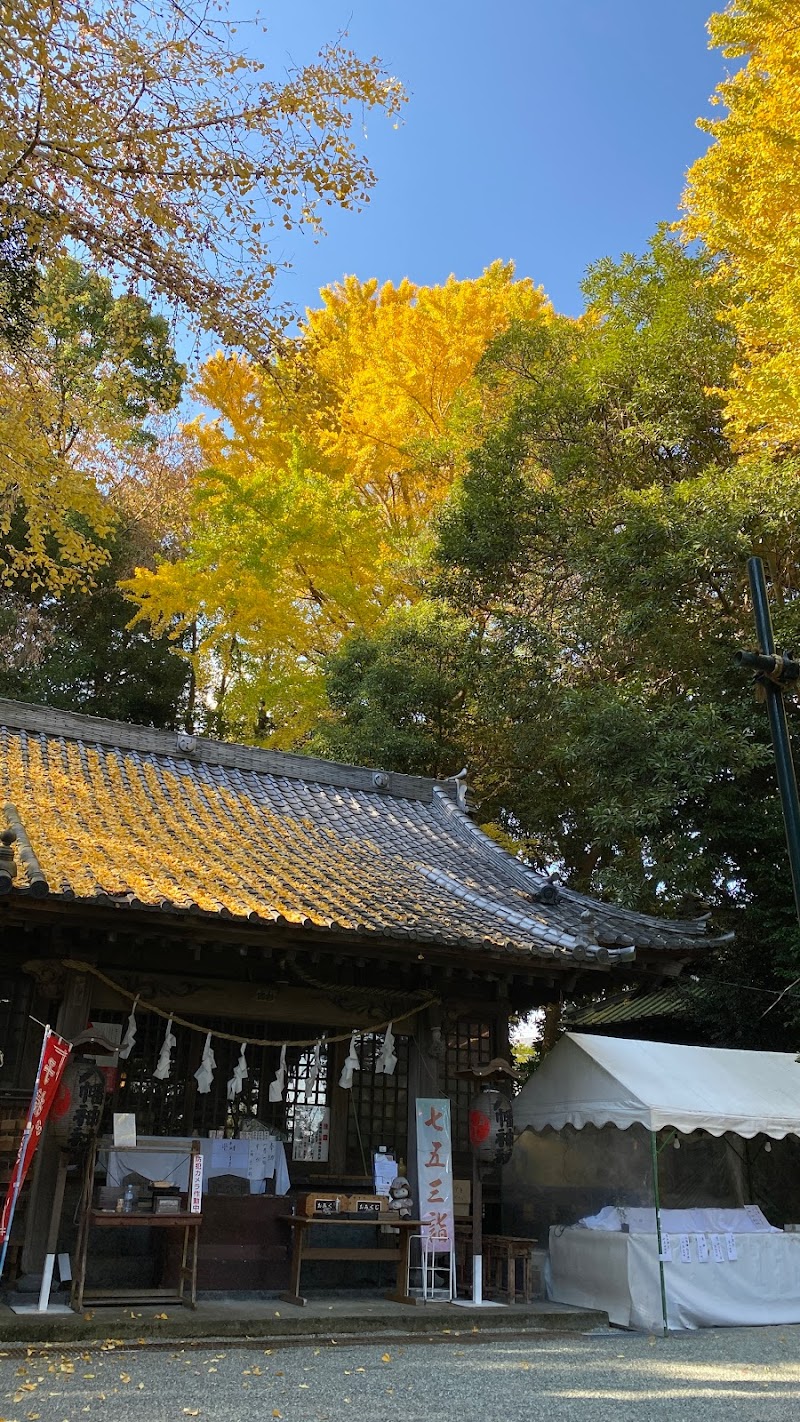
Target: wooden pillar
x=72, y=1017
x=424, y=1079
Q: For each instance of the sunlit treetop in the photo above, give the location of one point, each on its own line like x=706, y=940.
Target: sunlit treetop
x=147, y=135
x=743, y=202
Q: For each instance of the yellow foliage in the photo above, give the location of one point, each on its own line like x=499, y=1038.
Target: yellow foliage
x=149, y=137
x=743, y=201
x=322, y=474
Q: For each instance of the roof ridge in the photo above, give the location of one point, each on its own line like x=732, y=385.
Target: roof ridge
x=124, y=735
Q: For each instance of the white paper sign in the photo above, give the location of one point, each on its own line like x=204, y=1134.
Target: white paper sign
x=312, y=1125
x=261, y=1159
x=230, y=1156
x=666, y=1249
x=384, y=1170
x=124, y=1130
x=730, y=1245
x=435, y=1171
x=716, y=1249
x=196, y=1185
x=702, y=1248
x=686, y=1249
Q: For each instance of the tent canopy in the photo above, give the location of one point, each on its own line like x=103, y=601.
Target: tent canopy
x=588, y=1080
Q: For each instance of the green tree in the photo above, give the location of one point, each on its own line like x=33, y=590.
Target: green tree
x=76, y=398
x=596, y=551
x=78, y=652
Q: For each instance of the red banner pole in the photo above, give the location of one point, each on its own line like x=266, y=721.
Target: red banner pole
x=51, y=1066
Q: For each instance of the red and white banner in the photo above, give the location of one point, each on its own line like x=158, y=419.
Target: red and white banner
x=435, y=1172
x=53, y=1059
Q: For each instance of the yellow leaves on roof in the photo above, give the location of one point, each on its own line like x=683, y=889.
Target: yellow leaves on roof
x=100, y=819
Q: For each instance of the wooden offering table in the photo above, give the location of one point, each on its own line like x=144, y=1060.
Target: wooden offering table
x=187, y=1270
x=184, y=1291
x=301, y=1250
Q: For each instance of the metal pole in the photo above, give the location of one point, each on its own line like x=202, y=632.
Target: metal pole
x=787, y=782
x=477, y=1232
x=657, y=1203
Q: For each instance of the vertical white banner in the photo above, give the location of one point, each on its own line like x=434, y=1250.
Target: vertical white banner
x=435, y=1171
x=196, y=1185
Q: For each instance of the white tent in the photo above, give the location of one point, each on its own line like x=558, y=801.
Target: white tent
x=589, y=1080
x=692, y=1268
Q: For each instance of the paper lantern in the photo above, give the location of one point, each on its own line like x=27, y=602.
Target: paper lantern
x=78, y=1106
x=491, y=1127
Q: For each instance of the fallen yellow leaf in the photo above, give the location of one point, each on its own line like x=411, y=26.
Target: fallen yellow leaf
x=125, y=1377
x=387, y=1358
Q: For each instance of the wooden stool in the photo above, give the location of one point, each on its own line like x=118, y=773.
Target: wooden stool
x=502, y=1254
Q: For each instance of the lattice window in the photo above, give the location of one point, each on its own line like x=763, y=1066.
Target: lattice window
x=377, y=1111
x=298, y=1065
x=470, y=1043
x=175, y=1107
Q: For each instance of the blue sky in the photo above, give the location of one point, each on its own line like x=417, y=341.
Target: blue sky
x=547, y=133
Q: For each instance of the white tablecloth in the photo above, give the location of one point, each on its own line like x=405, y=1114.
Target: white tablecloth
x=619, y=1273
x=173, y=1165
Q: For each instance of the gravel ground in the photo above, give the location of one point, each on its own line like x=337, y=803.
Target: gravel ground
x=750, y=1374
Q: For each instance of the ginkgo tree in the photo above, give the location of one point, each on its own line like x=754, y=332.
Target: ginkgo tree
x=743, y=199
x=150, y=135
x=321, y=476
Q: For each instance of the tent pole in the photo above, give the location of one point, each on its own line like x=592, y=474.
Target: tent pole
x=657, y=1203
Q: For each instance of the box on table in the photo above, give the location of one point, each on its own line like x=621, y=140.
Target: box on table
x=320, y=1205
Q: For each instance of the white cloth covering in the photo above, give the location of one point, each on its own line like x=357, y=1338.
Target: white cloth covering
x=588, y=1080
x=747, y=1220
x=619, y=1273
x=172, y=1166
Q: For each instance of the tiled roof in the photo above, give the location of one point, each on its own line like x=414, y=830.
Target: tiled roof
x=673, y=1001
x=115, y=814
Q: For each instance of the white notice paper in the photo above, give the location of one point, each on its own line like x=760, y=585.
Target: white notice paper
x=702, y=1248
x=666, y=1249
x=196, y=1184
x=230, y=1156
x=124, y=1130
x=730, y=1245
x=716, y=1249
x=384, y=1171
x=312, y=1127
x=261, y=1159
x=686, y=1249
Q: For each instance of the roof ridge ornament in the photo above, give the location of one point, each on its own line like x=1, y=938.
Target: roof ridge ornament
x=462, y=788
